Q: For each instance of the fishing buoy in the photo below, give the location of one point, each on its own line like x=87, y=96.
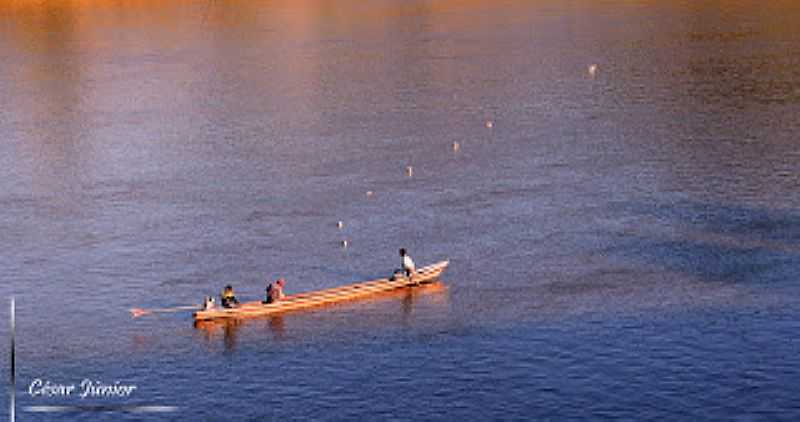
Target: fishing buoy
x=456, y=146
x=489, y=124
x=344, y=243
x=340, y=225
x=410, y=171
x=592, y=70
x=370, y=193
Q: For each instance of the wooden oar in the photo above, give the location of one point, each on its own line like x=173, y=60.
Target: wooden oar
x=137, y=312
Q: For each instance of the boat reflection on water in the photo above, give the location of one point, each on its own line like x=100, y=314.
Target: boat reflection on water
x=435, y=294
x=226, y=329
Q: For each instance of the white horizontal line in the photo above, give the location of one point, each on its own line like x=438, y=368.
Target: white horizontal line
x=100, y=408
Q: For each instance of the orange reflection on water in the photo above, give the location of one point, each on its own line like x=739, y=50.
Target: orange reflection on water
x=436, y=295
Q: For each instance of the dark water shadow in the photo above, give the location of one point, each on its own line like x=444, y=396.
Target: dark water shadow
x=740, y=220
x=709, y=261
x=714, y=242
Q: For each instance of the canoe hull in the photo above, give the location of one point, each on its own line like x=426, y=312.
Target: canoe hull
x=300, y=301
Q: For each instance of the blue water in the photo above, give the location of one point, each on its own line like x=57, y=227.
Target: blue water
x=624, y=241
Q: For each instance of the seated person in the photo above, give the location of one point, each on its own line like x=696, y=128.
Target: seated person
x=275, y=291
x=228, y=298
x=408, y=264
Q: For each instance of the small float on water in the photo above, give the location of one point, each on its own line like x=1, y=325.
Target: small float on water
x=423, y=276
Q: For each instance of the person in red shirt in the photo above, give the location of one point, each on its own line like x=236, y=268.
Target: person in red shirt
x=275, y=291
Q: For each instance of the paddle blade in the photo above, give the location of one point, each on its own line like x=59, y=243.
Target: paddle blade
x=137, y=312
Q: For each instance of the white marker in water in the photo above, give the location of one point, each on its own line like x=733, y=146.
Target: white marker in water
x=410, y=171
x=370, y=193
x=340, y=225
x=456, y=146
x=592, y=70
x=489, y=124
x=344, y=243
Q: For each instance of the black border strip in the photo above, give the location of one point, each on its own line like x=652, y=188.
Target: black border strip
x=13, y=375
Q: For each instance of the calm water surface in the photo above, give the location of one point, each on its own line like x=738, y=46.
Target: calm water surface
x=624, y=242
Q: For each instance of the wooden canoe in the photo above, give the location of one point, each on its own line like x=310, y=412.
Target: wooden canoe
x=324, y=297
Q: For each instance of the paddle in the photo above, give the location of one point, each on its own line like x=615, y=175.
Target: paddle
x=137, y=312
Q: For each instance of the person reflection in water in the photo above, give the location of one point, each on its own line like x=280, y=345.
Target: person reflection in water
x=229, y=333
x=277, y=326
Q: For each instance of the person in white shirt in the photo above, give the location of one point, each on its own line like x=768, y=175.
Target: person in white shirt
x=408, y=264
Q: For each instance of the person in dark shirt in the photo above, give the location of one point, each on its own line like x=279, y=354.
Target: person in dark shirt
x=228, y=298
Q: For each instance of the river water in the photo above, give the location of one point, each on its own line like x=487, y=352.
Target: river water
x=621, y=211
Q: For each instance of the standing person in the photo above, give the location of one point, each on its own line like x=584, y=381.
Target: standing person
x=408, y=264
x=275, y=291
x=228, y=298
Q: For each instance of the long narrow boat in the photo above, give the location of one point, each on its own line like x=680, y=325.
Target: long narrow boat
x=324, y=297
